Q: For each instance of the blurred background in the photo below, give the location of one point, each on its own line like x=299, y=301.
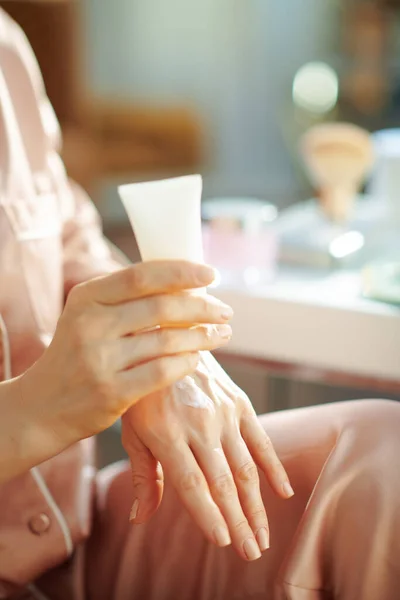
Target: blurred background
x=146, y=89
x=173, y=87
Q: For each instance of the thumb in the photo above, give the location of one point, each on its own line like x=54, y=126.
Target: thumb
x=148, y=482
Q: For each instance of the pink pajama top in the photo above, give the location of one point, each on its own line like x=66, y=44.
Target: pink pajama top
x=50, y=239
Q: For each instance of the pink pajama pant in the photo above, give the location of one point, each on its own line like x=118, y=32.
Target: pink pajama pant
x=338, y=538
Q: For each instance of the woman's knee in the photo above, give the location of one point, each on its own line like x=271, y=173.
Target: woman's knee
x=367, y=449
x=377, y=416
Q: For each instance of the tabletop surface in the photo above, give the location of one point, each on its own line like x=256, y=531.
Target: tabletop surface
x=316, y=319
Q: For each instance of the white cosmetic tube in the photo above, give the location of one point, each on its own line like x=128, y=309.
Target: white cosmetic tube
x=166, y=217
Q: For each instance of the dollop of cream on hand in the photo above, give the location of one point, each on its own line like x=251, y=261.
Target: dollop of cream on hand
x=188, y=392
x=206, y=388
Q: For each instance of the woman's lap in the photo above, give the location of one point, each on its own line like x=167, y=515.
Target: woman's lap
x=338, y=537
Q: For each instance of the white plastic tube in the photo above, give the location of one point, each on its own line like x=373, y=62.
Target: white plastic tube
x=166, y=217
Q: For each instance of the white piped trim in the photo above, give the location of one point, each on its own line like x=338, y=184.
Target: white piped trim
x=37, y=476
x=6, y=349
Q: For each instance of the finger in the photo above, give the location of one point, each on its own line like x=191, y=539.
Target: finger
x=172, y=310
x=147, y=479
x=264, y=454
x=152, y=376
x=247, y=482
x=146, y=279
x=165, y=342
x=219, y=477
x=188, y=480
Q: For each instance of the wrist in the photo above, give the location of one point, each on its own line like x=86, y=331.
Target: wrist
x=42, y=430
x=22, y=443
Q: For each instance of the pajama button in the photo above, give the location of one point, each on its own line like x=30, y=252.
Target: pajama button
x=39, y=524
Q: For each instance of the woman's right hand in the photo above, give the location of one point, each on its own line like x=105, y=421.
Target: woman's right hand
x=106, y=354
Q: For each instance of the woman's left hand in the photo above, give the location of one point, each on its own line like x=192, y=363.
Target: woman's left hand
x=203, y=433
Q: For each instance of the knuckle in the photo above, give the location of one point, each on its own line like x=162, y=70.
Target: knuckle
x=204, y=305
x=276, y=470
x=162, y=308
x=104, y=358
x=136, y=279
x=167, y=436
x=229, y=410
x=207, y=333
x=223, y=486
x=179, y=276
x=264, y=446
x=243, y=398
x=248, y=473
x=188, y=362
x=230, y=419
x=117, y=319
x=162, y=370
x=190, y=482
x=139, y=483
x=244, y=404
x=140, y=478
x=241, y=526
x=167, y=341
x=143, y=479
x=204, y=428
x=258, y=513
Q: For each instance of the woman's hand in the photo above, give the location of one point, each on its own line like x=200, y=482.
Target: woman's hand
x=205, y=433
x=106, y=352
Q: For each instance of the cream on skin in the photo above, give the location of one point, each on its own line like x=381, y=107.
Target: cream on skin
x=191, y=395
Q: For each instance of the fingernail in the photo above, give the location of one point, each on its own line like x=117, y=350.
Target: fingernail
x=205, y=274
x=224, y=331
x=287, y=489
x=262, y=539
x=222, y=536
x=134, y=510
x=251, y=549
x=227, y=312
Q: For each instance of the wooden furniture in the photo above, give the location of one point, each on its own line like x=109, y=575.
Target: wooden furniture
x=369, y=52
x=53, y=30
